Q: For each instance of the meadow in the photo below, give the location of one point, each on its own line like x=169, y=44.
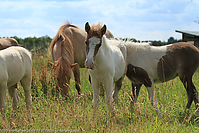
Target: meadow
x=52, y=114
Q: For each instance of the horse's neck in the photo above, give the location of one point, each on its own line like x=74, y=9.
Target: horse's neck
x=103, y=50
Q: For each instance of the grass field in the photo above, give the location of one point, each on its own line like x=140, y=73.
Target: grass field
x=76, y=114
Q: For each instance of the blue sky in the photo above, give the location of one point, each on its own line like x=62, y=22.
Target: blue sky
x=140, y=19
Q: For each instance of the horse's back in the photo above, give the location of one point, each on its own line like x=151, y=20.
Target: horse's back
x=180, y=59
x=15, y=63
x=77, y=37
x=163, y=63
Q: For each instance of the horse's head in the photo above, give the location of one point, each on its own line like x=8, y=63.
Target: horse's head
x=93, y=42
x=63, y=73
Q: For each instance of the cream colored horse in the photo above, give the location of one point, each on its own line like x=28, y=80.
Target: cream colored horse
x=15, y=66
x=69, y=53
x=106, y=61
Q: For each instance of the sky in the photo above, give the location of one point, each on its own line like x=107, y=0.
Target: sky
x=139, y=19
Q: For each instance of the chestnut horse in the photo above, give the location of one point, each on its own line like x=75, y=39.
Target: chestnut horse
x=106, y=61
x=147, y=64
x=68, y=51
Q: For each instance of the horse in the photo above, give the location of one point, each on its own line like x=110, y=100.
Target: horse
x=68, y=53
x=147, y=64
x=106, y=62
x=5, y=43
x=15, y=66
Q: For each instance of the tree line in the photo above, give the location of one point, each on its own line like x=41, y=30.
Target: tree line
x=155, y=42
x=41, y=44
x=36, y=44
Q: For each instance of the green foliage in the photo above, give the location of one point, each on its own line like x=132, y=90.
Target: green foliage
x=41, y=44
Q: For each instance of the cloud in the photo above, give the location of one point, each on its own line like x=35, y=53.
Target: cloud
x=140, y=19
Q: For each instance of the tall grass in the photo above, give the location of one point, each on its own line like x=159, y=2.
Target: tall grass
x=49, y=113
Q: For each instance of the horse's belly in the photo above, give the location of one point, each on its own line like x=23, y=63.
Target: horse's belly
x=13, y=80
x=120, y=71
x=16, y=74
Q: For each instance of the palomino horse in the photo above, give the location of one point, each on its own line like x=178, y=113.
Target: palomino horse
x=69, y=51
x=15, y=66
x=106, y=61
x=147, y=64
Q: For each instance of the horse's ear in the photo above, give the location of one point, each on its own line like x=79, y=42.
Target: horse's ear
x=87, y=27
x=52, y=64
x=72, y=65
x=103, y=30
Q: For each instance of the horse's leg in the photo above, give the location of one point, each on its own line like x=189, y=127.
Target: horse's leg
x=95, y=102
x=108, y=87
x=118, y=85
x=153, y=98
x=3, y=88
x=192, y=92
x=77, y=78
x=26, y=84
x=135, y=93
x=15, y=98
x=101, y=86
x=89, y=78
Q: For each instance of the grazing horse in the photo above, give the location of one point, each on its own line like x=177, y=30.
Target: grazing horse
x=15, y=66
x=69, y=51
x=106, y=61
x=147, y=64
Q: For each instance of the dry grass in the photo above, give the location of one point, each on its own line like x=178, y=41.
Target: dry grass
x=50, y=113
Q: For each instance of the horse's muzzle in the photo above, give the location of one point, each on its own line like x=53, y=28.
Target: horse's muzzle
x=89, y=64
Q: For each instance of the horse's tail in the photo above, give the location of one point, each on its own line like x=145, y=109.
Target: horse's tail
x=66, y=45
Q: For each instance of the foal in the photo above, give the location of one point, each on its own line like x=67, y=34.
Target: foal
x=106, y=61
x=147, y=64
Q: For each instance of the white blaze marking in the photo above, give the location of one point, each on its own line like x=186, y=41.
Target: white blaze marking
x=93, y=41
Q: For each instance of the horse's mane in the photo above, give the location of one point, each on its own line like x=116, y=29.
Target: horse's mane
x=62, y=68
x=96, y=28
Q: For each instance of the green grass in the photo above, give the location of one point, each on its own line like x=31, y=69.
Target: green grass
x=48, y=113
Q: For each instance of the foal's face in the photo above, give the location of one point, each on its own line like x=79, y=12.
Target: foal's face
x=93, y=43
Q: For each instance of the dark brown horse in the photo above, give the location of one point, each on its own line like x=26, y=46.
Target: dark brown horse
x=147, y=64
x=69, y=53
